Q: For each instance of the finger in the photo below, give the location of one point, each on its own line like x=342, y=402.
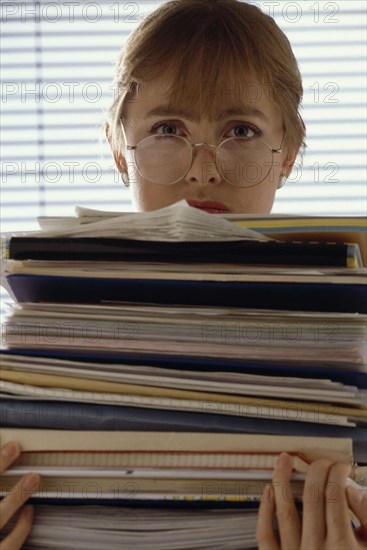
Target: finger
x=17, y=496
x=287, y=516
x=337, y=513
x=265, y=535
x=357, y=501
x=313, y=522
x=20, y=531
x=8, y=453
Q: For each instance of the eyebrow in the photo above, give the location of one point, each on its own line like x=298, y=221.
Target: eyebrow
x=243, y=110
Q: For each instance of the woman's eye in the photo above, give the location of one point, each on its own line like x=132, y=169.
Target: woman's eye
x=243, y=130
x=166, y=128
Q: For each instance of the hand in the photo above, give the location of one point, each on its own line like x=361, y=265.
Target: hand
x=15, y=499
x=326, y=523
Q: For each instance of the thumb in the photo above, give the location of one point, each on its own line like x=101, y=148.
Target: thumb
x=357, y=500
x=8, y=453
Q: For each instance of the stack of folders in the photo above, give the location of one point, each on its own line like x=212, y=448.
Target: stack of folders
x=155, y=365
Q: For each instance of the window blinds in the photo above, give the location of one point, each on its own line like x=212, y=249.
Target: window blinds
x=57, y=63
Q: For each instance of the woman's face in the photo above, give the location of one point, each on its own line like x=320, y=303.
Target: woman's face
x=203, y=186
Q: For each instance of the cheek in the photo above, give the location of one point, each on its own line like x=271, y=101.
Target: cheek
x=141, y=196
x=147, y=196
x=254, y=200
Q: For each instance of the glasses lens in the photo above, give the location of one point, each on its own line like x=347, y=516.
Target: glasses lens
x=244, y=162
x=163, y=159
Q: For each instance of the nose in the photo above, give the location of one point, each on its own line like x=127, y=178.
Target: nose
x=203, y=169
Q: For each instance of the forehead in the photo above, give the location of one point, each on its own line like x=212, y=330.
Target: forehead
x=196, y=99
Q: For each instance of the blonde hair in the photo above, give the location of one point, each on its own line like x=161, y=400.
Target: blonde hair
x=215, y=39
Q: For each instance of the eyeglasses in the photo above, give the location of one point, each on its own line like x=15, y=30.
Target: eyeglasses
x=165, y=159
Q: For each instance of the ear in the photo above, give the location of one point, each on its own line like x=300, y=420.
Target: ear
x=118, y=159
x=288, y=162
x=287, y=167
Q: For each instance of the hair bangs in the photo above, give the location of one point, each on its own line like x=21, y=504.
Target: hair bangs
x=203, y=71
x=213, y=77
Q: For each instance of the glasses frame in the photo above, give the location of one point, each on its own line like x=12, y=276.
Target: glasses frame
x=133, y=148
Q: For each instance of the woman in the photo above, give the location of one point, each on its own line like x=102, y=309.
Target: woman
x=207, y=110
x=206, y=71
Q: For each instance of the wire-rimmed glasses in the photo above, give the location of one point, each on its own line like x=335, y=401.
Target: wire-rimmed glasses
x=165, y=159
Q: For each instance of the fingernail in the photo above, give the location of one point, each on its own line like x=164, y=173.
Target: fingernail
x=31, y=481
x=9, y=449
x=283, y=461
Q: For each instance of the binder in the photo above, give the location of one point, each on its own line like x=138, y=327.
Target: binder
x=349, y=297
x=240, y=251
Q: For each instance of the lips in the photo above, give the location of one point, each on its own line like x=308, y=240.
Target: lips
x=213, y=207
